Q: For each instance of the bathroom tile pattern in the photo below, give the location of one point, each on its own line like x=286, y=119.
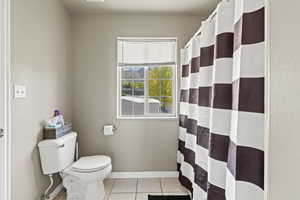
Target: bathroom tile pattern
x=138, y=189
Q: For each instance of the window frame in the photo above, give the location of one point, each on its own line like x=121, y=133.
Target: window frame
x=147, y=115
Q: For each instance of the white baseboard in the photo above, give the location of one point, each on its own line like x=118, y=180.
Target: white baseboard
x=56, y=191
x=146, y=174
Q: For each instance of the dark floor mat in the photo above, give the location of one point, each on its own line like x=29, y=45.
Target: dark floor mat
x=169, y=197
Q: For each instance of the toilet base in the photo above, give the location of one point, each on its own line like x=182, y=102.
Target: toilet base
x=90, y=191
x=85, y=186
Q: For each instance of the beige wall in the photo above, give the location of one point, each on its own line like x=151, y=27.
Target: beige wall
x=138, y=145
x=284, y=32
x=40, y=60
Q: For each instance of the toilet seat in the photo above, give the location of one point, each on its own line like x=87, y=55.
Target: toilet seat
x=89, y=164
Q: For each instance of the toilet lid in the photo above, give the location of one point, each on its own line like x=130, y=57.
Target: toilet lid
x=91, y=163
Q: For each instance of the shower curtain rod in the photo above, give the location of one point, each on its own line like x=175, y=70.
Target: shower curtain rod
x=210, y=17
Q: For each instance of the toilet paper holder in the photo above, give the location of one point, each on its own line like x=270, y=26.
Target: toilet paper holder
x=114, y=127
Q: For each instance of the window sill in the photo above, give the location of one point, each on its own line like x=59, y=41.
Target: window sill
x=149, y=118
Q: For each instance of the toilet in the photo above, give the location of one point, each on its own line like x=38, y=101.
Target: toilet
x=83, y=179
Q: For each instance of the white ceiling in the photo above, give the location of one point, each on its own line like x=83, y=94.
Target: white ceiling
x=161, y=7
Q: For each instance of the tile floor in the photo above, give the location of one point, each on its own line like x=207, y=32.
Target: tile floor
x=138, y=189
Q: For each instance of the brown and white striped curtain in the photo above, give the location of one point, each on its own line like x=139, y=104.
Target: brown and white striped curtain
x=221, y=140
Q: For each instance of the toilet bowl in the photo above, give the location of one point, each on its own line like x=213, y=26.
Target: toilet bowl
x=83, y=179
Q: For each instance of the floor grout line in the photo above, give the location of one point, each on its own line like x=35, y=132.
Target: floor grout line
x=136, y=188
x=112, y=186
x=161, y=187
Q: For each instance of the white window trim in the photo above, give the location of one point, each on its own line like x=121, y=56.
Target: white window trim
x=172, y=116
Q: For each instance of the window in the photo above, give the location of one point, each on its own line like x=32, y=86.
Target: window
x=147, y=77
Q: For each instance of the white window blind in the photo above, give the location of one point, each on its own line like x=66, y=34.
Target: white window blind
x=146, y=52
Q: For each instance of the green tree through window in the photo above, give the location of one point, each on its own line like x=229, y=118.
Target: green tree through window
x=160, y=86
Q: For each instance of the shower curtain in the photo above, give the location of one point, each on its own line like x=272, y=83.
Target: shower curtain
x=221, y=128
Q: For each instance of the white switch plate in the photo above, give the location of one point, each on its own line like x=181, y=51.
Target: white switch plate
x=19, y=91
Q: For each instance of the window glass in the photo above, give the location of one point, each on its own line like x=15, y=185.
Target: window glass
x=166, y=87
x=127, y=87
x=166, y=72
x=138, y=88
x=138, y=72
x=126, y=73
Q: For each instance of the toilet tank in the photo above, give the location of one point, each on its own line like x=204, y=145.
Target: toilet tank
x=57, y=154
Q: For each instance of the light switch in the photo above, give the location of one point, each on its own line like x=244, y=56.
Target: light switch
x=19, y=91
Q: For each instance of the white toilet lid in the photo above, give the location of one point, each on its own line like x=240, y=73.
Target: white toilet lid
x=91, y=163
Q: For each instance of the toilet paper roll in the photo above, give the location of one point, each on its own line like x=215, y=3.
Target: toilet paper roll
x=108, y=130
